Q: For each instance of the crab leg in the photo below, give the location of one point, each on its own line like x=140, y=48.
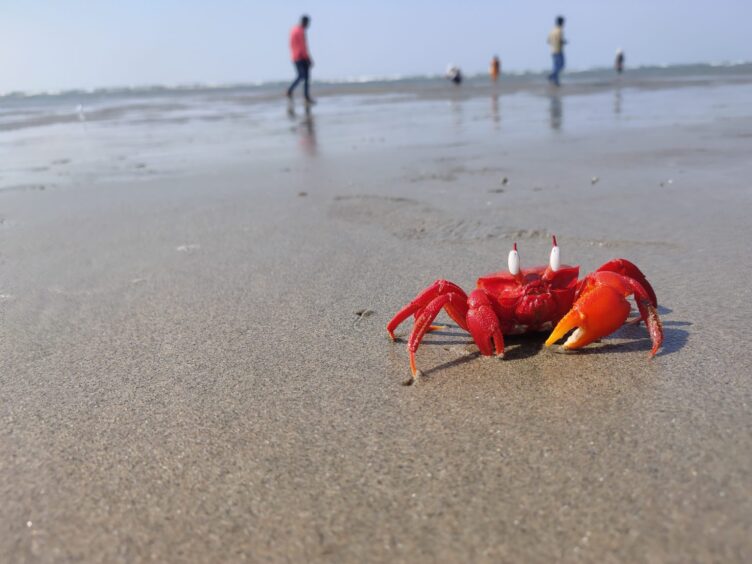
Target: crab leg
x=425, y=318
x=602, y=308
x=484, y=325
x=626, y=268
x=648, y=311
x=457, y=309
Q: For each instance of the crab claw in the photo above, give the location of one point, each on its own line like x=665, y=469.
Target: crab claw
x=602, y=308
x=596, y=314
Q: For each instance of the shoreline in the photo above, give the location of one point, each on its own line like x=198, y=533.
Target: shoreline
x=73, y=108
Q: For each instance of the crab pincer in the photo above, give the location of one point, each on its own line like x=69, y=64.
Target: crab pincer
x=602, y=308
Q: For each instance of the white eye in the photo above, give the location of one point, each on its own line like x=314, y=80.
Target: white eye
x=555, y=261
x=514, y=261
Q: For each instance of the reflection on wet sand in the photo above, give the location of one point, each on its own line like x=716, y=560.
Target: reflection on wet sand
x=495, y=115
x=306, y=128
x=556, y=111
x=456, y=106
x=617, y=100
x=308, y=133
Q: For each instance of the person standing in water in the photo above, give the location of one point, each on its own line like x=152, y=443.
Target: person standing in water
x=301, y=58
x=619, y=62
x=495, y=69
x=556, y=41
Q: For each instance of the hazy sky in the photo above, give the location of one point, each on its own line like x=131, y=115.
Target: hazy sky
x=53, y=44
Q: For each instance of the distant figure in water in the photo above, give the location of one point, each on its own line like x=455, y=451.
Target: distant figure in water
x=556, y=41
x=495, y=69
x=454, y=74
x=301, y=58
x=619, y=62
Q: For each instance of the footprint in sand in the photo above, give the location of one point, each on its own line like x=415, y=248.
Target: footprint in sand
x=412, y=220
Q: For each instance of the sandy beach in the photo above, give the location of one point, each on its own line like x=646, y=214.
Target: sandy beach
x=194, y=365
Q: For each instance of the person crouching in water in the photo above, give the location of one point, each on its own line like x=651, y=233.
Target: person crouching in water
x=454, y=74
x=301, y=58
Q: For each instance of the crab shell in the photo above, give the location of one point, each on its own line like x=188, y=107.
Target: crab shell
x=534, y=299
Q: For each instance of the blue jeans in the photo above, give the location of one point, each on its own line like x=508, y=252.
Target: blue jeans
x=302, y=67
x=558, y=59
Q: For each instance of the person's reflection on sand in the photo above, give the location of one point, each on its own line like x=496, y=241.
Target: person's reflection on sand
x=617, y=100
x=308, y=133
x=495, y=115
x=306, y=128
x=455, y=105
x=556, y=112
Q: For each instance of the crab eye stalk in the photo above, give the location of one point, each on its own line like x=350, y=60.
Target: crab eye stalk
x=555, y=260
x=514, y=261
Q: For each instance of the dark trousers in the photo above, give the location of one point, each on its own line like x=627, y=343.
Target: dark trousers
x=558, y=60
x=303, y=68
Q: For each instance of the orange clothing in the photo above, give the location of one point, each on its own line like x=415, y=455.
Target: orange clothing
x=298, y=47
x=495, y=69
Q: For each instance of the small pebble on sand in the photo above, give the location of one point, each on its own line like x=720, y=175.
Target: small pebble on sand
x=187, y=248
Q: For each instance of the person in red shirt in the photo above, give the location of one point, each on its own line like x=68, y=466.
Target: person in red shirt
x=300, y=57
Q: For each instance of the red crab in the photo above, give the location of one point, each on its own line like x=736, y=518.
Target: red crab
x=536, y=299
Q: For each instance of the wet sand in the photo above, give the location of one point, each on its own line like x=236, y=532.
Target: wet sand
x=185, y=375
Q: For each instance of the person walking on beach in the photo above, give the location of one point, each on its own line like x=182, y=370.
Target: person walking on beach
x=556, y=41
x=495, y=69
x=619, y=62
x=301, y=58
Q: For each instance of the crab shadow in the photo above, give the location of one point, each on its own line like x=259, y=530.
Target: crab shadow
x=516, y=347
x=451, y=364
x=674, y=339
x=520, y=347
